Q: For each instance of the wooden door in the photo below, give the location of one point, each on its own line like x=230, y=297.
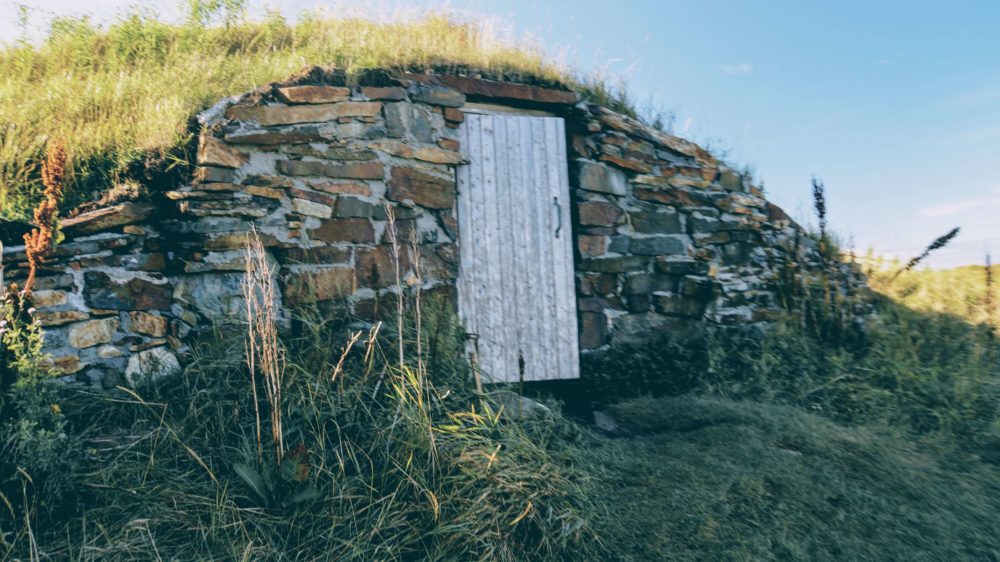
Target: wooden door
x=515, y=286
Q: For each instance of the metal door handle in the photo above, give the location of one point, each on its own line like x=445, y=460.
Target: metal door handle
x=555, y=201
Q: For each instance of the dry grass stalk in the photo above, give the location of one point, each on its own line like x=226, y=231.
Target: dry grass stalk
x=38, y=243
x=339, y=368
x=393, y=234
x=988, y=302
x=417, y=285
x=263, y=349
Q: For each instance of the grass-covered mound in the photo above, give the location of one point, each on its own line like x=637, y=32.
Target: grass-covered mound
x=123, y=96
x=715, y=479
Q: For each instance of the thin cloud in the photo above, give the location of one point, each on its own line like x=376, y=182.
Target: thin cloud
x=956, y=207
x=737, y=69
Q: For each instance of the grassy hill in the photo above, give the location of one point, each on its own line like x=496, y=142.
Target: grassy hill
x=715, y=479
x=122, y=96
x=834, y=435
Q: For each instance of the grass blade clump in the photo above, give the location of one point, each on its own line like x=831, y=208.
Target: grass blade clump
x=383, y=461
x=111, y=93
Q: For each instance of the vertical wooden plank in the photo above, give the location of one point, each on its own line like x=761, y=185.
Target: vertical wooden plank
x=507, y=290
x=533, y=361
x=543, y=235
x=465, y=287
x=553, y=188
x=527, y=329
x=488, y=272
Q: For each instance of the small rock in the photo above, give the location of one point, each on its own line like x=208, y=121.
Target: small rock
x=150, y=366
x=519, y=408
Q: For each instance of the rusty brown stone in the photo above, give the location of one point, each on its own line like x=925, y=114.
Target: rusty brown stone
x=449, y=144
x=106, y=218
x=48, y=318
x=627, y=163
x=313, y=196
x=424, y=189
x=314, y=94
x=345, y=188
x=391, y=93
x=101, y=291
x=600, y=213
x=351, y=170
x=591, y=246
x=149, y=324
x=377, y=267
x=454, y=114
x=499, y=90
x=270, y=115
x=213, y=151
x=354, y=230
x=314, y=285
x=668, y=197
x=593, y=330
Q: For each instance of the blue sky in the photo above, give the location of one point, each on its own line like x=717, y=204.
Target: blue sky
x=895, y=105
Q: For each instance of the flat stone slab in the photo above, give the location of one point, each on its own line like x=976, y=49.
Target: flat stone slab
x=106, y=218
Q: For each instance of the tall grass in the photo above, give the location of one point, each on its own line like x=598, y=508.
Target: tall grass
x=123, y=96
x=383, y=460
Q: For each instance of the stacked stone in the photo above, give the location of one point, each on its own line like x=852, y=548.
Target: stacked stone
x=104, y=298
x=667, y=237
x=315, y=170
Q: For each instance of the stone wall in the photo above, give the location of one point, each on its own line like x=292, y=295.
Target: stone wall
x=668, y=238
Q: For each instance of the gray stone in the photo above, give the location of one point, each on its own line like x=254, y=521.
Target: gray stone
x=656, y=222
x=517, y=407
x=216, y=297
x=404, y=119
x=615, y=265
x=650, y=283
x=437, y=95
x=594, y=176
x=657, y=246
x=150, y=366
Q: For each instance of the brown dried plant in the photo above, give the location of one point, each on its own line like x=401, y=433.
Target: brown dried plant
x=39, y=242
x=264, y=353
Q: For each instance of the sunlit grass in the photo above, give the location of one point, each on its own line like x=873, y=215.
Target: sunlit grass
x=959, y=291
x=125, y=93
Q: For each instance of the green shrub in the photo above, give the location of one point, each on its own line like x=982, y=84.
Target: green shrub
x=38, y=454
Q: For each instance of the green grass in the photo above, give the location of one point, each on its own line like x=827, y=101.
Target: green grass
x=385, y=462
x=958, y=291
x=714, y=479
x=122, y=97
x=884, y=446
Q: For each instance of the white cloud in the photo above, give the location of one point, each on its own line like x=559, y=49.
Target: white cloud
x=737, y=69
